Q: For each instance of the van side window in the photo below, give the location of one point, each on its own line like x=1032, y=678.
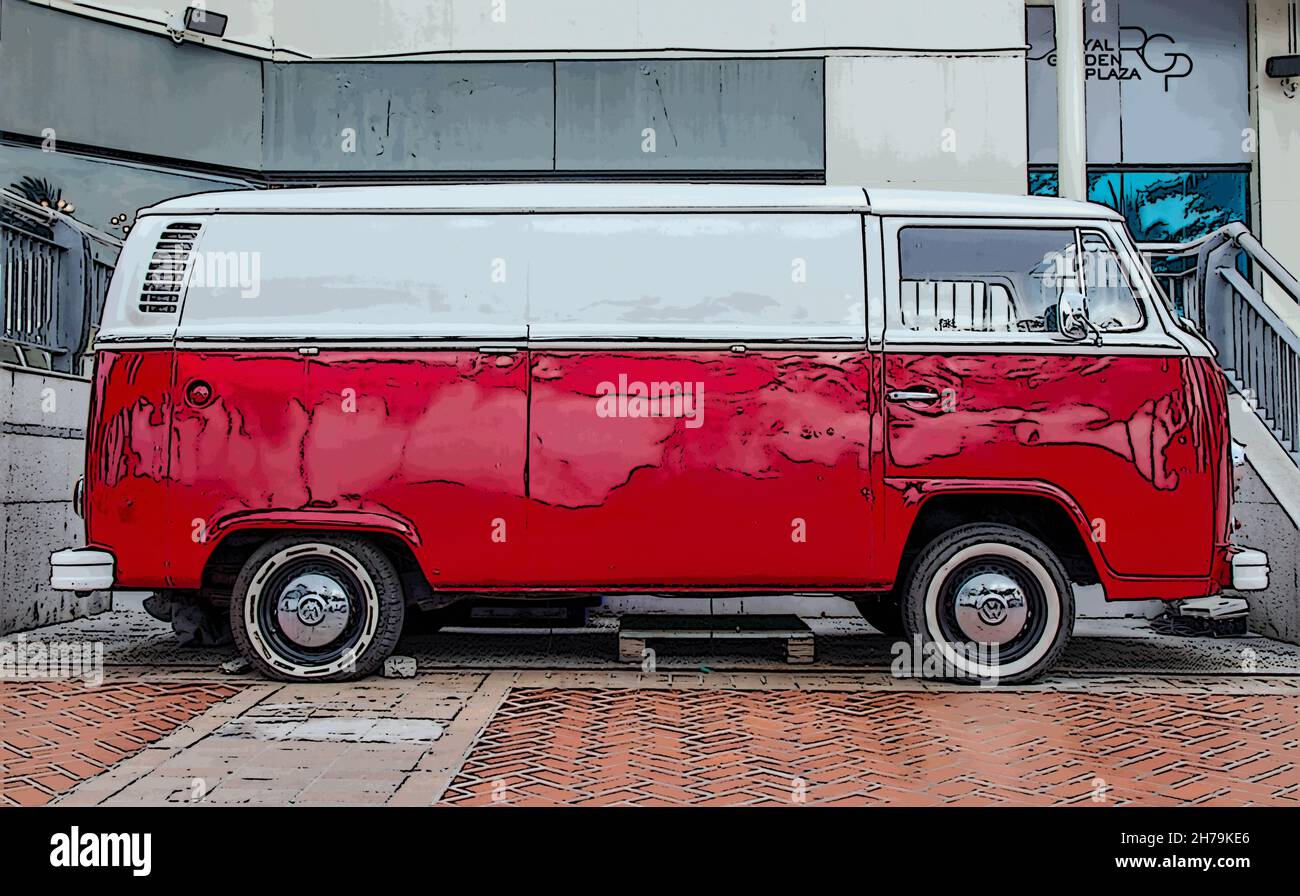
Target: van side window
x=982, y=279
x=702, y=276
x=1112, y=304
x=350, y=276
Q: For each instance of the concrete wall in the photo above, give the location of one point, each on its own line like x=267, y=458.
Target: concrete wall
x=42, y=424
x=706, y=114
x=935, y=122
x=868, y=91
x=395, y=27
x=1270, y=498
x=566, y=116
x=1266, y=526
x=82, y=81
x=1268, y=508
x=467, y=116
x=1277, y=188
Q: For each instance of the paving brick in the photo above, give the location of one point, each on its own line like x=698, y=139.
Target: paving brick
x=727, y=747
x=57, y=734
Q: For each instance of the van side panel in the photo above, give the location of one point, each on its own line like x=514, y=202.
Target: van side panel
x=426, y=445
x=1135, y=442
x=237, y=455
x=434, y=438
x=765, y=476
x=127, y=493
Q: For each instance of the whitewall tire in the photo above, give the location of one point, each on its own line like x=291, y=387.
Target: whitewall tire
x=317, y=608
x=992, y=601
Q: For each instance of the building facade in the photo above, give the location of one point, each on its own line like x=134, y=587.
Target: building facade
x=297, y=92
x=1184, y=130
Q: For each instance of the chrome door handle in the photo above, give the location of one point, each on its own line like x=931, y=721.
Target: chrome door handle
x=910, y=395
x=497, y=350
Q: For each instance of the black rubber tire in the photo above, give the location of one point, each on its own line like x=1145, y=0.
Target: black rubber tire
x=390, y=608
x=1052, y=641
x=884, y=613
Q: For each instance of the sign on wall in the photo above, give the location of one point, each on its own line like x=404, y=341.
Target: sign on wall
x=1167, y=82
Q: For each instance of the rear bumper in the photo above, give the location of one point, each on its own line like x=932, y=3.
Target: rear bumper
x=1249, y=570
x=81, y=569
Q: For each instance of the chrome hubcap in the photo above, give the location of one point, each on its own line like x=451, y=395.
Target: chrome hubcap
x=991, y=609
x=313, y=610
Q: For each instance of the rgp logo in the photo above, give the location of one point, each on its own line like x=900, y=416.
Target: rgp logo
x=658, y=399
x=1106, y=60
x=78, y=850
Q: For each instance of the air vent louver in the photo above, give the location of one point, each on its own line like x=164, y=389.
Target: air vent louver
x=168, y=268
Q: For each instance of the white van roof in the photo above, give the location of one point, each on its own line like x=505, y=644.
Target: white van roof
x=562, y=197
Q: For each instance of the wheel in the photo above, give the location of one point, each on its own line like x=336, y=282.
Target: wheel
x=317, y=608
x=992, y=601
x=885, y=613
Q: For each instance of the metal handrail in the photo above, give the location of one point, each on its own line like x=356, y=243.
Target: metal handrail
x=46, y=215
x=30, y=273
x=54, y=275
x=1251, y=245
x=1257, y=348
x=1239, y=234
x=1260, y=307
x=24, y=206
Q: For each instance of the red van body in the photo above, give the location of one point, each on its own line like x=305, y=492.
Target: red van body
x=482, y=463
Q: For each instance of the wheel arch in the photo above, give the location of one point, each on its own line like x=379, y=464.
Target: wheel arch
x=237, y=539
x=1054, y=520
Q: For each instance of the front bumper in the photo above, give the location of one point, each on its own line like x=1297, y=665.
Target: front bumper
x=1249, y=570
x=81, y=569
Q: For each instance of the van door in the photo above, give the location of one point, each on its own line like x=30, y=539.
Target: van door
x=983, y=396
x=702, y=400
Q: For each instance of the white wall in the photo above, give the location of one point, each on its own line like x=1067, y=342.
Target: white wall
x=937, y=122
x=440, y=26
x=928, y=93
x=1277, y=196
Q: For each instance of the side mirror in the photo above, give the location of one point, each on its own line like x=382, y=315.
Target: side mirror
x=1072, y=317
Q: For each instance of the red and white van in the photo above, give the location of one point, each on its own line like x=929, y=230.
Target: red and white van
x=324, y=406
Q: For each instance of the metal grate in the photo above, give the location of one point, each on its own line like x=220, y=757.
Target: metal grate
x=169, y=267
x=30, y=268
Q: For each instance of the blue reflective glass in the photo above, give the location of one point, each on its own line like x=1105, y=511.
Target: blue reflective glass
x=1163, y=206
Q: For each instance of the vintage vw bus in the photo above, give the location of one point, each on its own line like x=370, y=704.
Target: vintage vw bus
x=321, y=407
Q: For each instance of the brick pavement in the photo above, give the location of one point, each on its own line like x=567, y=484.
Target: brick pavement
x=56, y=734
x=619, y=736
x=367, y=743
x=703, y=747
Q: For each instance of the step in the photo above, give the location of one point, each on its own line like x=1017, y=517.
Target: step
x=636, y=629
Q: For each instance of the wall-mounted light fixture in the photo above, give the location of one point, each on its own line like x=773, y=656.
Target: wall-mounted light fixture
x=1286, y=69
x=205, y=21
x=197, y=20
